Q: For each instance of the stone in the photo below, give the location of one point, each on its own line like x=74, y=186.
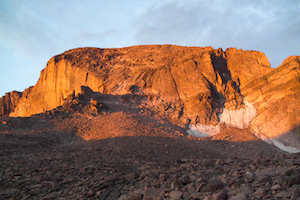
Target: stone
x=260, y=192
x=295, y=193
x=175, y=195
x=10, y=192
x=91, y=192
x=213, y=186
x=208, y=197
x=250, y=175
x=136, y=197
x=244, y=190
x=292, y=180
x=222, y=195
x=123, y=197
x=239, y=197
x=151, y=194
x=52, y=195
x=282, y=194
x=276, y=187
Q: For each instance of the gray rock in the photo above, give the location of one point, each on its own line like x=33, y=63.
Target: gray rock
x=151, y=194
x=276, y=187
x=213, y=186
x=238, y=197
x=295, y=193
x=176, y=195
x=52, y=195
x=220, y=196
x=292, y=180
x=282, y=194
x=260, y=192
x=10, y=192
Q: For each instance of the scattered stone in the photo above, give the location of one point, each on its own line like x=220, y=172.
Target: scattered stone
x=52, y=195
x=276, y=187
x=151, y=194
x=238, y=197
x=295, y=193
x=176, y=195
x=260, y=192
x=118, y=168
x=220, y=195
x=213, y=186
x=283, y=194
x=10, y=192
x=292, y=180
x=250, y=176
x=136, y=197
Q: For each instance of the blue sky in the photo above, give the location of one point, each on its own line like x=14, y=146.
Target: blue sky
x=32, y=31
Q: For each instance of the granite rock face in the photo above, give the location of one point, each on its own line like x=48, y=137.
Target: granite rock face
x=9, y=102
x=276, y=97
x=188, y=85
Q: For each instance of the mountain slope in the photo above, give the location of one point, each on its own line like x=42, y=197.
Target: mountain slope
x=203, y=88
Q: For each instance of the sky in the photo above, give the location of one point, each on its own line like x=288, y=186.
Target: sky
x=33, y=31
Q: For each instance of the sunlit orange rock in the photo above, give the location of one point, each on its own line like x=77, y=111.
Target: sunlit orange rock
x=188, y=85
x=9, y=102
x=276, y=96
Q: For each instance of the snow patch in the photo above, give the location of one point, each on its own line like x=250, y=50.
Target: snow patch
x=196, y=133
x=239, y=118
x=202, y=130
x=283, y=147
x=277, y=143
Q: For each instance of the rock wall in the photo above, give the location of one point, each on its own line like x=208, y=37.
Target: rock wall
x=276, y=96
x=189, y=85
x=157, y=72
x=9, y=102
x=56, y=82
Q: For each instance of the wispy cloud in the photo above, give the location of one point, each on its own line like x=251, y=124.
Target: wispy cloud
x=33, y=31
x=256, y=25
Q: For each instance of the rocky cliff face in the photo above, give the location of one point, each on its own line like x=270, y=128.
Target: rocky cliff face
x=9, y=102
x=200, y=87
x=276, y=96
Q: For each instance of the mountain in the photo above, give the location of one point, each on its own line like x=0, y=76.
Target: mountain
x=204, y=90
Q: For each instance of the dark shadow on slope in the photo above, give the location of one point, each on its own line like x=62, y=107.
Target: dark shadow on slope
x=290, y=138
x=160, y=149
x=27, y=135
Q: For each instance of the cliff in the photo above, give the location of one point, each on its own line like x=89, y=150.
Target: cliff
x=199, y=87
x=9, y=102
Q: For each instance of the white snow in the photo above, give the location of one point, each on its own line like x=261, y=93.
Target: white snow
x=202, y=130
x=281, y=146
x=277, y=143
x=239, y=118
x=196, y=133
x=220, y=116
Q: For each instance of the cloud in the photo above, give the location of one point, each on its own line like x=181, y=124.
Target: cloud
x=31, y=32
x=254, y=25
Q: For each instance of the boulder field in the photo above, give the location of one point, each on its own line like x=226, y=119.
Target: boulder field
x=203, y=89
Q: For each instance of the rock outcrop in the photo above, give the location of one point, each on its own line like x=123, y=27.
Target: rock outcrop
x=9, y=102
x=199, y=87
x=276, y=96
